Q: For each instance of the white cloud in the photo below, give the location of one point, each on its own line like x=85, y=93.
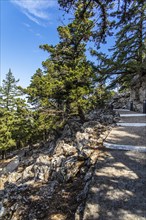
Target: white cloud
x=38, y=35
x=36, y=10
x=27, y=25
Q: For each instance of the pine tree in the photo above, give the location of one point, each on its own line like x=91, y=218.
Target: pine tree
x=6, y=126
x=101, y=10
x=130, y=49
x=127, y=18
x=67, y=79
x=23, y=123
x=100, y=16
x=15, y=122
x=9, y=91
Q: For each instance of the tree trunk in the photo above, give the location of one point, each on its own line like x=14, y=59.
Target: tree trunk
x=67, y=110
x=3, y=153
x=81, y=113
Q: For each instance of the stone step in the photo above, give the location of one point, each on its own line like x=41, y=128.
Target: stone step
x=133, y=119
x=118, y=109
x=141, y=149
x=126, y=111
x=133, y=115
x=135, y=136
x=131, y=124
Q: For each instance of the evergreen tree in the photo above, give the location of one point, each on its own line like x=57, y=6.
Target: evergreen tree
x=127, y=19
x=23, y=123
x=67, y=79
x=6, y=126
x=101, y=13
x=100, y=16
x=129, y=54
x=15, y=122
x=130, y=48
x=9, y=91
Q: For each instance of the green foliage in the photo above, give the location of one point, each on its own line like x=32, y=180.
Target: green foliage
x=15, y=119
x=6, y=126
x=23, y=122
x=99, y=11
x=66, y=83
x=128, y=20
x=130, y=46
x=101, y=95
x=9, y=91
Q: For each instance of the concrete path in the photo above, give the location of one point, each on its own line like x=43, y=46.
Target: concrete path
x=118, y=187
x=130, y=133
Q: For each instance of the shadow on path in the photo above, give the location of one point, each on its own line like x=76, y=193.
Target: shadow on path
x=118, y=190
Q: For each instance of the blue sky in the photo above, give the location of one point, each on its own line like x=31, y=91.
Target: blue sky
x=26, y=24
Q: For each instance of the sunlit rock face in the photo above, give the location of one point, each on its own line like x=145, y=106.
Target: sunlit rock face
x=42, y=180
x=137, y=95
x=138, y=92
x=121, y=100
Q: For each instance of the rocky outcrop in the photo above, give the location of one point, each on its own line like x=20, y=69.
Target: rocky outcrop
x=44, y=182
x=138, y=92
x=136, y=95
x=121, y=100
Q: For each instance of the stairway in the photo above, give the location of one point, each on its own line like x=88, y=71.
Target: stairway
x=130, y=132
x=118, y=186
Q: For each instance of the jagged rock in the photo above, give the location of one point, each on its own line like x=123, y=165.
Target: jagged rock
x=138, y=92
x=121, y=100
x=12, y=165
x=57, y=161
x=2, y=210
x=64, y=149
x=28, y=173
x=88, y=151
x=14, y=177
x=108, y=119
x=70, y=130
x=41, y=172
x=90, y=124
x=82, y=139
x=43, y=159
x=94, y=157
x=47, y=191
x=30, y=189
x=94, y=115
x=69, y=150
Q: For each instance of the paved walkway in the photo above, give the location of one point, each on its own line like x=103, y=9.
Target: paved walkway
x=118, y=188
x=130, y=133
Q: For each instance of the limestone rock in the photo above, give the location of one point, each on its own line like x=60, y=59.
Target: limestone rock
x=35, y=182
x=2, y=210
